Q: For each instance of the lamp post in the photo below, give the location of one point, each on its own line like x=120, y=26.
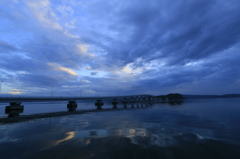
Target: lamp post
x=52, y=92
x=1, y=86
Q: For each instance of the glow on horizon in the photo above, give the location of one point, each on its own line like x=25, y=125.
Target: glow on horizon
x=15, y=92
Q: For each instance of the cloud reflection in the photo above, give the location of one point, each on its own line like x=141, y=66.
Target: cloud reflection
x=69, y=136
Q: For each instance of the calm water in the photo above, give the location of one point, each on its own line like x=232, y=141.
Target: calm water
x=201, y=128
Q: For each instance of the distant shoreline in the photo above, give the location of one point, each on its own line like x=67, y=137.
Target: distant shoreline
x=211, y=96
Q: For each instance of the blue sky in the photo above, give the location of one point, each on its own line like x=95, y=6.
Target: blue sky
x=102, y=47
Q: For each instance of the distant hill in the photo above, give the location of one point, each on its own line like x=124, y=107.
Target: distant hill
x=211, y=96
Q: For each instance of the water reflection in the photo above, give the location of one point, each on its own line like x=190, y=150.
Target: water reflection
x=69, y=136
x=156, y=132
x=176, y=102
x=172, y=102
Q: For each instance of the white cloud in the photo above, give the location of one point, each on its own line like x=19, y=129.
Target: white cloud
x=57, y=67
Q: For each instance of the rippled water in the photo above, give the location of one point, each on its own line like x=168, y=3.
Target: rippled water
x=202, y=128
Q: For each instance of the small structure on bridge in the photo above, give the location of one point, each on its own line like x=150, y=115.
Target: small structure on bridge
x=114, y=103
x=125, y=102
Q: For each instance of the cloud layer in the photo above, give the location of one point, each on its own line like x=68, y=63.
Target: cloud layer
x=127, y=47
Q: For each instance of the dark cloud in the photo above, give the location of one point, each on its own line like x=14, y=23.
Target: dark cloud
x=94, y=73
x=188, y=31
x=150, y=46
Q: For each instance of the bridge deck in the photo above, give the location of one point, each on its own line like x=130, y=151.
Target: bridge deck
x=41, y=98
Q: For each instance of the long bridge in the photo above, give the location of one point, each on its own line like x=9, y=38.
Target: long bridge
x=15, y=107
x=69, y=98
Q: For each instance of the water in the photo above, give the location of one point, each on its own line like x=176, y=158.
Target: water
x=201, y=128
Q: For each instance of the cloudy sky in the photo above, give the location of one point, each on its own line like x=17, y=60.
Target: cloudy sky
x=110, y=47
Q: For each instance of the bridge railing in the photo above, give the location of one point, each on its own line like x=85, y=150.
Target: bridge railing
x=61, y=98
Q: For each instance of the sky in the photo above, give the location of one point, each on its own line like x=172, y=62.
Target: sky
x=112, y=47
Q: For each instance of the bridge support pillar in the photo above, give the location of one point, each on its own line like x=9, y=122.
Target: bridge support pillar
x=143, y=98
x=153, y=99
x=125, y=102
x=136, y=99
x=99, y=104
x=146, y=104
x=137, y=105
x=72, y=105
x=132, y=105
x=132, y=101
x=14, y=109
x=114, y=103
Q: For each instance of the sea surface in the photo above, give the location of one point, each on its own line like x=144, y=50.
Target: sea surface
x=194, y=129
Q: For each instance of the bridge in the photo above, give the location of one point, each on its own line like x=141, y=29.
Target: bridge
x=15, y=107
x=67, y=98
